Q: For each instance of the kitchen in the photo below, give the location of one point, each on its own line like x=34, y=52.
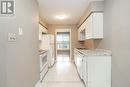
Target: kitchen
x=65, y=43
x=93, y=66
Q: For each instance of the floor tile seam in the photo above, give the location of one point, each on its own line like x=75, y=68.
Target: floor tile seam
x=61, y=81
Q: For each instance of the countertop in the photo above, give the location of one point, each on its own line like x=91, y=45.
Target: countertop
x=95, y=52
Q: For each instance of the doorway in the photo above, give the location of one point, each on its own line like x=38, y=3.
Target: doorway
x=63, y=45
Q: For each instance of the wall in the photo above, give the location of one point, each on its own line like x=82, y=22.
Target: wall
x=2, y=57
x=19, y=64
x=74, y=37
x=89, y=44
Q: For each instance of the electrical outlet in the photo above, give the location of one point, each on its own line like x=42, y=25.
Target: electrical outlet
x=11, y=37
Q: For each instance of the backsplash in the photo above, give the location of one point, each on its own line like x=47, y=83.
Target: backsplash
x=89, y=44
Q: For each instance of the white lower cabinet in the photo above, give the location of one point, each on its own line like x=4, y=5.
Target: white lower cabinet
x=99, y=71
x=80, y=65
x=84, y=71
x=95, y=69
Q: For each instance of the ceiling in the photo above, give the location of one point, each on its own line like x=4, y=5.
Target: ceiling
x=71, y=9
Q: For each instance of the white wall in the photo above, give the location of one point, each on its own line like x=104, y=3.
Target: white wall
x=2, y=58
x=19, y=64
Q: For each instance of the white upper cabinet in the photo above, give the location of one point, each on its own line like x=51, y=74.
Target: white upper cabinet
x=92, y=28
x=81, y=33
x=42, y=30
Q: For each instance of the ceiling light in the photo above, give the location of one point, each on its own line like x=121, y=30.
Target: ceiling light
x=61, y=17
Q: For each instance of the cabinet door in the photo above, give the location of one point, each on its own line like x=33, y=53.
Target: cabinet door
x=80, y=64
x=82, y=32
x=99, y=71
x=89, y=27
x=94, y=26
x=44, y=29
x=75, y=57
x=40, y=33
x=85, y=73
x=97, y=25
x=79, y=33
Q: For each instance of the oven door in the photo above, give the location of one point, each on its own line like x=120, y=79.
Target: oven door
x=43, y=61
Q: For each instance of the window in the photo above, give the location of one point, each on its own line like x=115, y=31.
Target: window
x=63, y=40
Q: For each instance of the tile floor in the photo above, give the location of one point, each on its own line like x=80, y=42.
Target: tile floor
x=63, y=74
x=63, y=56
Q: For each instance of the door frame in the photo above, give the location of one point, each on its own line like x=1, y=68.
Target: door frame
x=63, y=30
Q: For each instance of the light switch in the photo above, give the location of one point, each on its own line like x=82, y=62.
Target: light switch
x=11, y=37
x=20, y=31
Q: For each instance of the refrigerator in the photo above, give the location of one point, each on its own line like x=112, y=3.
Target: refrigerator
x=48, y=44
